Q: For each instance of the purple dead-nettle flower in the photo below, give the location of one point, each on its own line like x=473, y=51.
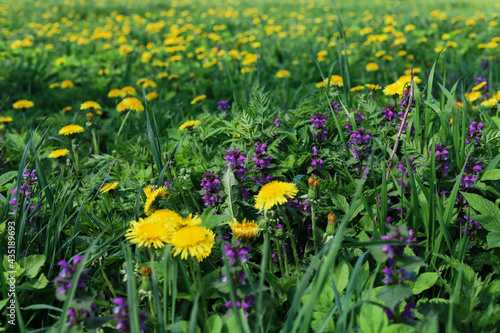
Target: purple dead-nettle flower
x=474, y=133
x=76, y=316
x=407, y=313
x=390, y=113
x=403, y=102
x=261, y=160
x=318, y=121
x=246, y=305
x=393, y=274
x=65, y=277
x=235, y=158
x=223, y=105
x=358, y=118
x=121, y=315
x=210, y=183
x=236, y=253
x=276, y=122
x=333, y=106
x=316, y=161
x=440, y=152
x=474, y=225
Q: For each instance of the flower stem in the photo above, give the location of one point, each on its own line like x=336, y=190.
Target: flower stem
x=292, y=238
x=278, y=252
x=313, y=218
x=94, y=141
x=121, y=126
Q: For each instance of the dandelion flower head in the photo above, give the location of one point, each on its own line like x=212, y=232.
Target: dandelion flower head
x=149, y=232
x=194, y=241
x=245, y=229
x=275, y=193
x=59, y=153
x=70, y=130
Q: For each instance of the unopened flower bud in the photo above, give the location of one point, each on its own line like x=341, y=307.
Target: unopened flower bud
x=313, y=187
x=332, y=219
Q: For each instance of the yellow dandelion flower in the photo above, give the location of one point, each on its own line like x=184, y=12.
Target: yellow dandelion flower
x=152, y=96
x=6, y=119
x=66, y=109
x=450, y=122
x=490, y=102
x=149, y=232
x=148, y=84
x=189, y=125
x=283, y=74
x=173, y=77
x=245, y=229
x=70, y=130
x=371, y=67
x=194, y=241
x=460, y=104
x=108, y=187
x=147, y=190
x=190, y=220
x=394, y=89
x=90, y=105
x=479, y=86
x=114, y=93
x=154, y=199
x=372, y=87
x=67, y=84
x=23, y=104
x=198, y=99
x=357, y=88
x=275, y=193
x=162, y=75
x=59, y=153
x=130, y=104
x=472, y=96
x=54, y=85
x=1, y=127
x=407, y=78
x=169, y=217
x=128, y=91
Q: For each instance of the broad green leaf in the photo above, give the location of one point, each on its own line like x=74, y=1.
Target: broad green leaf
x=39, y=283
x=214, y=324
x=32, y=264
x=482, y=205
x=372, y=319
x=488, y=175
x=341, y=276
x=393, y=295
x=424, y=282
x=7, y=176
x=399, y=328
x=493, y=239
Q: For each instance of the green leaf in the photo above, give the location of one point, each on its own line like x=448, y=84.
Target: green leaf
x=372, y=319
x=341, y=276
x=11, y=267
x=228, y=181
x=493, y=239
x=482, y=205
x=424, y=282
x=393, y=295
x=399, y=328
x=214, y=324
x=32, y=264
x=39, y=283
x=488, y=175
x=3, y=303
x=7, y=177
x=94, y=323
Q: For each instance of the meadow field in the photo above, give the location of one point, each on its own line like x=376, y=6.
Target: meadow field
x=249, y=166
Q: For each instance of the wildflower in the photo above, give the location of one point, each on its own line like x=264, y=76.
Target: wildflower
x=23, y=104
x=108, y=187
x=223, y=105
x=195, y=241
x=395, y=88
x=67, y=84
x=210, y=185
x=121, y=315
x=190, y=221
x=357, y=88
x=70, y=130
x=150, y=232
x=130, y=104
x=261, y=162
x=65, y=277
x=244, y=230
x=246, y=305
x=275, y=193
x=114, y=93
x=189, y=125
x=318, y=122
x=154, y=199
x=283, y=74
x=6, y=119
x=90, y=105
x=171, y=218
x=474, y=133
x=198, y=99
x=59, y=153
x=472, y=96
x=237, y=162
x=372, y=67
x=152, y=96
x=315, y=159
x=332, y=219
x=372, y=87
x=66, y=109
x=127, y=92
x=393, y=275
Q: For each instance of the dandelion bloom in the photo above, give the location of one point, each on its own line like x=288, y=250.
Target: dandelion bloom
x=149, y=232
x=153, y=200
x=245, y=229
x=128, y=91
x=108, y=187
x=372, y=87
x=67, y=84
x=194, y=241
x=130, y=104
x=357, y=88
x=472, y=96
x=6, y=119
x=190, y=221
x=70, y=130
x=169, y=217
x=394, y=89
x=66, y=109
x=58, y=153
x=198, y=99
x=372, y=67
x=148, y=84
x=283, y=74
x=151, y=96
x=23, y=104
x=190, y=124
x=479, y=86
x=54, y=85
x=275, y=193
x=90, y=105
x=114, y=93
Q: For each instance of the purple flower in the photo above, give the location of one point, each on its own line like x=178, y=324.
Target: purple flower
x=210, y=183
x=223, y=105
x=235, y=158
x=261, y=160
x=236, y=253
x=121, y=315
x=276, y=122
x=65, y=277
x=318, y=121
x=474, y=133
x=315, y=159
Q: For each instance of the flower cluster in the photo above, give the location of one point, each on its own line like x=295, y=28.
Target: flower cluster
x=121, y=315
x=360, y=147
x=236, y=159
x=393, y=275
x=237, y=255
x=318, y=124
x=210, y=189
x=469, y=177
x=358, y=118
x=262, y=162
x=26, y=190
x=473, y=227
x=316, y=161
x=474, y=133
x=224, y=105
x=441, y=155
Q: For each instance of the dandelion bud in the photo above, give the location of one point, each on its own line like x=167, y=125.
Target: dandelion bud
x=313, y=187
x=332, y=219
x=89, y=116
x=146, y=278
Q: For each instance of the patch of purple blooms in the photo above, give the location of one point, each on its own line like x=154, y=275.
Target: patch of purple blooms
x=224, y=105
x=26, y=190
x=393, y=275
x=480, y=80
x=316, y=161
x=474, y=225
x=210, y=189
x=121, y=315
x=360, y=147
x=469, y=177
x=318, y=124
x=236, y=159
x=262, y=162
x=65, y=277
x=76, y=316
x=358, y=118
x=441, y=155
x=474, y=134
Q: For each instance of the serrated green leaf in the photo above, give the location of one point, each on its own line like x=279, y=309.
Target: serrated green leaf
x=341, y=276
x=39, y=283
x=7, y=176
x=424, y=282
x=393, y=295
x=372, y=319
x=482, y=205
x=488, y=175
x=32, y=264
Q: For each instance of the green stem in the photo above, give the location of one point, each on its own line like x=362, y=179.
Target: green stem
x=283, y=245
x=313, y=218
x=292, y=238
x=94, y=141
x=152, y=305
x=279, y=255
x=121, y=126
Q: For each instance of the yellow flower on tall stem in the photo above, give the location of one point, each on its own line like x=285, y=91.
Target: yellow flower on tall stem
x=108, y=187
x=244, y=230
x=23, y=104
x=154, y=199
x=189, y=125
x=150, y=232
x=275, y=193
x=194, y=241
x=59, y=153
